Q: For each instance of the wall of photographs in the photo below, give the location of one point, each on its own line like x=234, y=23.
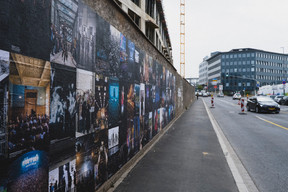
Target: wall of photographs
x=77, y=98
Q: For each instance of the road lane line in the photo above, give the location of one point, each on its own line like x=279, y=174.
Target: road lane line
x=240, y=174
x=272, y=123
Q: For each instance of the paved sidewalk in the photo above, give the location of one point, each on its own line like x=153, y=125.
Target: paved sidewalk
x=187, y=158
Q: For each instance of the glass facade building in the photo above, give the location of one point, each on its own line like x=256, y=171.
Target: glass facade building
x=244, y=69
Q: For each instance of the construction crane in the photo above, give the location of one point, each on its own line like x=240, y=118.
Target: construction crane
x=182, y=38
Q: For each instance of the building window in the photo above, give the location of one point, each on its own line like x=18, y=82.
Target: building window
x=252, y=69
x=252, y=55
x=137, y=2
x=150, y=7
x=227, y=84
x=134, y=17
x=239, y=84
x=118, y=2
x=235, y=70
x=150, y=33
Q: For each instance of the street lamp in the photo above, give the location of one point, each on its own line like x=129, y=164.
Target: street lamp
x=284, y=74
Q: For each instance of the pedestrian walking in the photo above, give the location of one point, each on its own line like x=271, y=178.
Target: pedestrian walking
x=197, y=95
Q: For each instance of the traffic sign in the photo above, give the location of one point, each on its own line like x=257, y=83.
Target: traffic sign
x=283, y=82
x=258, y=84
x=215, y=86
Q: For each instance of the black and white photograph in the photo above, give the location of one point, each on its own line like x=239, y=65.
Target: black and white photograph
x=85, y=103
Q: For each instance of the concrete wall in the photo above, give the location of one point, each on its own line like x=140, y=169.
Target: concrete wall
x=110, y=11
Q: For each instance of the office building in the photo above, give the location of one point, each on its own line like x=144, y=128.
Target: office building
x=246, y=69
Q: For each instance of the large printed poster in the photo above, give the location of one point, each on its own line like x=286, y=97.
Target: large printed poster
x=78, y=98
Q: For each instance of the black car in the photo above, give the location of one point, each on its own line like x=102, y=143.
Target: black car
x=284, y=101
x=262, y=104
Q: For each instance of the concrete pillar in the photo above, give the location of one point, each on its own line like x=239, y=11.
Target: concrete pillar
x=142, y=20
x=124, y=7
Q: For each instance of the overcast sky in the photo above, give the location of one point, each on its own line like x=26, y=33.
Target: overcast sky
x=222, y=25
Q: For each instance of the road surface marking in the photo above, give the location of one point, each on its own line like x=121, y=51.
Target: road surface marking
x=240, y=174
x=272, y=123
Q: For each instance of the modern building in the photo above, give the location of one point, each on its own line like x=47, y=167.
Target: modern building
x=246, y=69
x=193, y=81
x=203, y=72
x=214, y=70
x=149, y=16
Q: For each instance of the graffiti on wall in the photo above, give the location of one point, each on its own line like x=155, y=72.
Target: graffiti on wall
x=77, y=104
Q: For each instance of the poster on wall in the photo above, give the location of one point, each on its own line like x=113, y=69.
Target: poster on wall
x=108, y=49
x=113, y=140
x=63, y=178
x=85, y=103
x=29, y=104
x=114, y=104
x=29, y=172
x=25, y=28
x=63, y=46
x=91, y=161
x=101, y=102
x=130, y=123
x=4, y=87
x=62, y=111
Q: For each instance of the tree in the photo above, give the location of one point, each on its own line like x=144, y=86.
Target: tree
x=200, y=87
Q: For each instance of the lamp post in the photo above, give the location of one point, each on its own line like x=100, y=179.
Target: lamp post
x=284, y=74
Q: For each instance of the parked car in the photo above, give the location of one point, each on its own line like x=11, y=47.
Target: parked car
x=205, y=95
x=278, y=98
x=284, y=101
x=236, y=96
x=262, y=104
x=200, y=94
x=220, y=95
x=272, y=96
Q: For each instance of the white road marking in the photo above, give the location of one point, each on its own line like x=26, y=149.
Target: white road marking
x=240, y=174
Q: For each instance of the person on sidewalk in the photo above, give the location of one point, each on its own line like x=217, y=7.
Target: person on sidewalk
x=197, y=95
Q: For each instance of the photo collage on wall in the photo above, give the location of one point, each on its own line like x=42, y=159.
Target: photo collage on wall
x=78, y=99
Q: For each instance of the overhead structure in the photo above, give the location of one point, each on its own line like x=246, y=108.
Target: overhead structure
x=182, y=38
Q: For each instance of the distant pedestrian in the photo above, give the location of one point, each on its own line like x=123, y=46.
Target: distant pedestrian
x=197, y=95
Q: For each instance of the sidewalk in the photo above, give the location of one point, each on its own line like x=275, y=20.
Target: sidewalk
x=187, y=158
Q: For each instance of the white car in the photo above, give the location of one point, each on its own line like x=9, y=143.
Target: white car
x=236, y=96
x=205, y=95
x=278, y=98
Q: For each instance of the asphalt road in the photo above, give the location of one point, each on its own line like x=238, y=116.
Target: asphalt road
x=260, y=141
